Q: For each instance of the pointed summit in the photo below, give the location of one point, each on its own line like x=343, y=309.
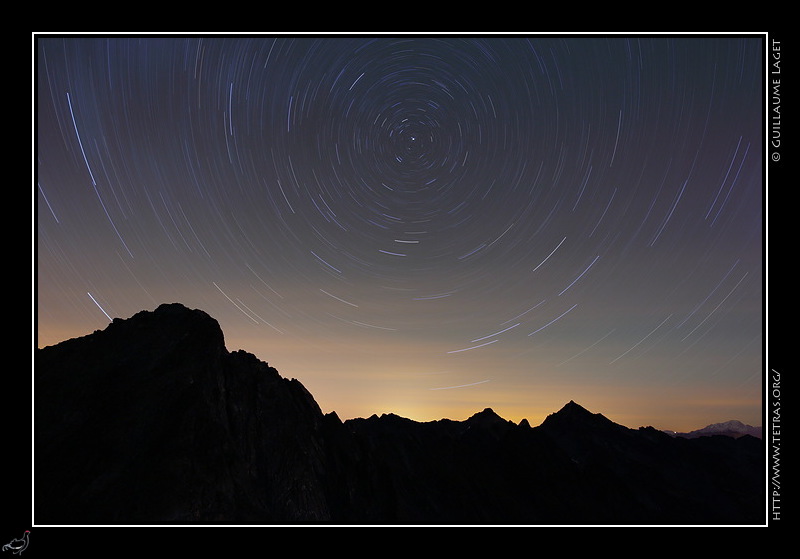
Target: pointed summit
x=572, y=410
x=489, y=423
x=572, y=407
x=486, y=417
x=574, y=416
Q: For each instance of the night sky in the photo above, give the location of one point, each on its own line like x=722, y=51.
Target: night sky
x=422, y=225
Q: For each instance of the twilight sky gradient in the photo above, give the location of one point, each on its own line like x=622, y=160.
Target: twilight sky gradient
x=421, y=225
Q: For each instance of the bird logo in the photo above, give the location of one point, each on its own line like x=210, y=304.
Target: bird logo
x=17, y=546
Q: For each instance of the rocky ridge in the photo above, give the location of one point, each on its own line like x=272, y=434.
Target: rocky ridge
x=154, y=421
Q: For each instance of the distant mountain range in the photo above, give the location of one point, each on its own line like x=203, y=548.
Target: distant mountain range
x=153, y=421
x=732, y=428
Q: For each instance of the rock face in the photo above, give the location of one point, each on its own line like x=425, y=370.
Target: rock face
x=154, y=421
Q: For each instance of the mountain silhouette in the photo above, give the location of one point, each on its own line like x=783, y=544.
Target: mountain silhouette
x=153, y=421
x=732, y=428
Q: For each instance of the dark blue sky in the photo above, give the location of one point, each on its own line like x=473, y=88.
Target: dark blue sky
x=421, y=225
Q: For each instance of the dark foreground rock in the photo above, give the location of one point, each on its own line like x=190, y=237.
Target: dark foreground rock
x=154, y=421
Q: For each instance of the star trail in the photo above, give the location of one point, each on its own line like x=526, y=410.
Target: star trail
x=423, y=225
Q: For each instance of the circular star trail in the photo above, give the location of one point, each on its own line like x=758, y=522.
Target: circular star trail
x=425, y=225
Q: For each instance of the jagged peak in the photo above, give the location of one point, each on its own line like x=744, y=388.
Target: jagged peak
x=488, y=415
x=572, y=413
x=573, y=408
x=572, y=404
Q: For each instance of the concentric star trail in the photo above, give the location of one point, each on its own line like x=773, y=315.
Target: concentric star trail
x=359, y=210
